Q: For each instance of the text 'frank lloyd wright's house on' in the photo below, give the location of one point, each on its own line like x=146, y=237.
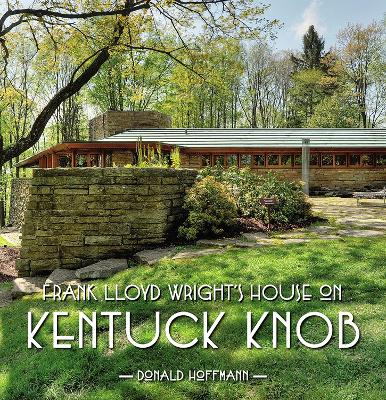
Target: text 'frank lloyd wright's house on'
x=339, y=159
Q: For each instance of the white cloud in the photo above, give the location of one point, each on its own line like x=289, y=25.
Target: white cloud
x=310, y=16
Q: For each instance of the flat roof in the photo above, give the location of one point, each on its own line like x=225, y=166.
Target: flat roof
x=254, y=138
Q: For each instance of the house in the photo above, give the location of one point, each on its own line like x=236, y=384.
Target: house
x=340, y=159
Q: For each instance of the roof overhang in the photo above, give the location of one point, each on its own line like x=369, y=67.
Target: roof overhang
x=215, y=140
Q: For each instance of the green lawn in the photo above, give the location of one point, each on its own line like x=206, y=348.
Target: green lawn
x=298, y=373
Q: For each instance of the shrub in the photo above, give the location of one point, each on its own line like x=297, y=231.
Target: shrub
x=211, y=210
x=249, y=187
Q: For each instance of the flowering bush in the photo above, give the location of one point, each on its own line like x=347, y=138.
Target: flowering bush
x=248, y=187
x=211, y=208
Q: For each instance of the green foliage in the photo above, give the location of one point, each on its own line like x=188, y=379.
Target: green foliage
x=131, y=82
x=175, y=157
x=313, y=46
x=362, y=52
x=336, y=111
x=211, y=210
x=148, y=157
x=306, y=94
x=205, y=95
x=249, y=187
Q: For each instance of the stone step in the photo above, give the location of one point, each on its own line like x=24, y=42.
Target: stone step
x=186, y=254
x=232, y=242
x=358, y=233
x=63, y=277
x=151, y=257
x=27, y=285
x=254, y=236
x=295, y=241
x=102, y=269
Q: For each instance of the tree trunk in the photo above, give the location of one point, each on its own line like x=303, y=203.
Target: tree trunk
x=2, y=211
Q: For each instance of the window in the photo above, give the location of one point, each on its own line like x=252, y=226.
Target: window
x=108, y=160
x=380, y=160
x=64, y=161
x=286, y=160
x=314, y=160
x=219, y=160
x=245, y=160
x=354, y=160
x=205, y=160
x=297, y=160
x=367, y=160
x=341, y=160
x=327, y=160
x=273, y=159
x=232, y=160
x=259, y=160
x=95, y=160
x=81, y=160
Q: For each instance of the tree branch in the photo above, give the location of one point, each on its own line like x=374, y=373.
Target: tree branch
x=24, y=12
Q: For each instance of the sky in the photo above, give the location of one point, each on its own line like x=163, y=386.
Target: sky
x=328, y=16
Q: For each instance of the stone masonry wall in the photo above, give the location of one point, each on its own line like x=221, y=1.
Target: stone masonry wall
x=122, y=158
x=323, y=179
x=77, y=216
x=20, y=190
x=112, y=122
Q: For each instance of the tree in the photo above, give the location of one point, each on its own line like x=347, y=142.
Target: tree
x=313, y=46
x=305, y=94
x=211, y=102
x=360, y=49
x=109, y=28
x=134, y=81
x=266, y=85
x=336, y=111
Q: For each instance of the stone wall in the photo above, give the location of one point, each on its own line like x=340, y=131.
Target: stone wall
x=112, y=122
x=75, y=217
x=20, y=189
x=348, y=179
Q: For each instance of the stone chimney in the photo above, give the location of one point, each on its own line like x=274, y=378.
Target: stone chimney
x=112, y=122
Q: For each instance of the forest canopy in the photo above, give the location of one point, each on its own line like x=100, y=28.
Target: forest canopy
x=205, y=63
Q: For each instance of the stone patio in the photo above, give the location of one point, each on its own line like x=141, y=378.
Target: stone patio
x=371, y=214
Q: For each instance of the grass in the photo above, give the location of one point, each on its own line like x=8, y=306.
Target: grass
x=293, y=374
x=5, y=286
x=4, y=242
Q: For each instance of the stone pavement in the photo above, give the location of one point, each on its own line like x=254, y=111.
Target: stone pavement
x=370, y=214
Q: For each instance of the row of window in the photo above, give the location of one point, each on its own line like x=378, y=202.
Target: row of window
x=263, y=160
x=84, y=160
x=268, y=160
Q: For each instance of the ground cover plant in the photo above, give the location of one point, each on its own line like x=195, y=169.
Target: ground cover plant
x=293, y=374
